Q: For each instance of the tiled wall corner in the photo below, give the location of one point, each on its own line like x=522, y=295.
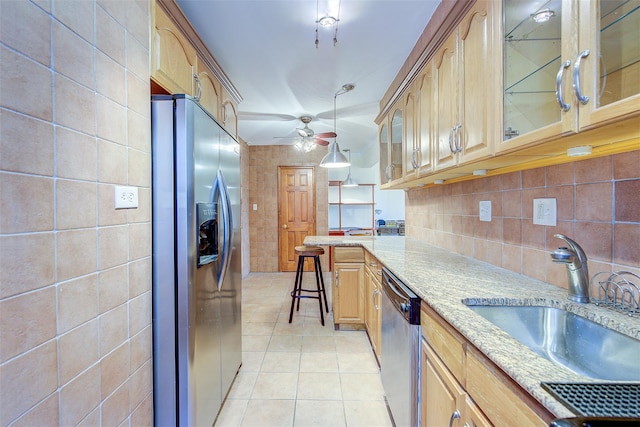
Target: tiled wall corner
x=75, y=282
x=597, y=205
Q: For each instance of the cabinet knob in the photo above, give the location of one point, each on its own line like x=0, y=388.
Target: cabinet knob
x=285, y=226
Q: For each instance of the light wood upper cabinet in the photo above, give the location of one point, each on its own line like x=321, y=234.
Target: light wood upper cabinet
x=173, y=59
x=383, y=141
x=464, y=70
x=209, y=90
x=229, y=114
x=411, y=143
x=426, y=119
x=575, y=71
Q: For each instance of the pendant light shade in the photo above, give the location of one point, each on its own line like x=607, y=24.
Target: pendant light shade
x=334, y=158
x=349, y=182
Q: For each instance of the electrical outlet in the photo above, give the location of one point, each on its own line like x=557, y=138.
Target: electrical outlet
x=485, y=210
x=544, y=212
x=126, y=197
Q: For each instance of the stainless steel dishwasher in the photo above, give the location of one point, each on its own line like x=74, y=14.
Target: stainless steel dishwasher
x=400, y=356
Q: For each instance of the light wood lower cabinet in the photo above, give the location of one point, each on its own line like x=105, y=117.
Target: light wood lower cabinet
x=348, y=285
x=460, y=386
x=373, y=301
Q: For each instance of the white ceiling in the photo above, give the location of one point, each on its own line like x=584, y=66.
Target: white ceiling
x=267, y=48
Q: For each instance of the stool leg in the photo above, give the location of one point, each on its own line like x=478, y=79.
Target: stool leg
x=295, y=288
x=324, y=292
x=301, y=268
x=316, y=264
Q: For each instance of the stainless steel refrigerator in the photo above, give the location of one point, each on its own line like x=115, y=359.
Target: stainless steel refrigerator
x=197, y=348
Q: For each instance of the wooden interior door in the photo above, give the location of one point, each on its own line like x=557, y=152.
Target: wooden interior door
x=296, y=213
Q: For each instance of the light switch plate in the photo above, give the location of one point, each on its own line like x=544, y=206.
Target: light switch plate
x=485, y=210
x=544, y=212
x=126, y=197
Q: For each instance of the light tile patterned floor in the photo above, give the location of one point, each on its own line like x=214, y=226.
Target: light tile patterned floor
x=300, y=374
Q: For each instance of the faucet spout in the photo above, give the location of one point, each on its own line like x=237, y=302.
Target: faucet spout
x=575, y=260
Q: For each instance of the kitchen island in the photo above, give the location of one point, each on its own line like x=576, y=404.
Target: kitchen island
x=443, y=280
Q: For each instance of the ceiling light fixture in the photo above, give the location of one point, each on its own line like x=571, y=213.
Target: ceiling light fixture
x=327, y=21
x=542, y=15
x=334, y=158
x=305, y=144
x=349, y=182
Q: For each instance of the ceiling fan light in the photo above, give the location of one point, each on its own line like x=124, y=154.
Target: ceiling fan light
x=334, y=158
x=327, y=21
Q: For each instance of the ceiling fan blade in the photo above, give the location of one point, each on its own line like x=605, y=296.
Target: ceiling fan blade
x=321, y=141
x=249, y=115
x=326, y=135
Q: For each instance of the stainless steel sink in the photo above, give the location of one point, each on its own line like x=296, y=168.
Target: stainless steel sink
x=579, y=344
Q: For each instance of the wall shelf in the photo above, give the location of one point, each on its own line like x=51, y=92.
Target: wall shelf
x=351, y=209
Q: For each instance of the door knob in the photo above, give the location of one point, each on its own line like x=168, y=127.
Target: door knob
x=285, y=226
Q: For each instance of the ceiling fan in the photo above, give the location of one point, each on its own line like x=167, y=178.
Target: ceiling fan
x=309, y=137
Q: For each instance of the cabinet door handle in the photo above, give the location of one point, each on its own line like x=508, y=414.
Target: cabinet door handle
x=198, y=87
x=337, y=282
x=451, y=131
x=414, y=162
x=456, y=138
x=454, y=416
x=375, y=304
x=576, y=78
x=372, y=264
x=386, y=172
x=563, y=105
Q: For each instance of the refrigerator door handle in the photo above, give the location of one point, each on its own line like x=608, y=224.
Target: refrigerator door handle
x=227, y=228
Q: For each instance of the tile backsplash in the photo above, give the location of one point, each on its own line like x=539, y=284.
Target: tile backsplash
x=598, y=205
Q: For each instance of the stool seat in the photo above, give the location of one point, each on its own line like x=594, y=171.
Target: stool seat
x=309, y=250
x=318, y=293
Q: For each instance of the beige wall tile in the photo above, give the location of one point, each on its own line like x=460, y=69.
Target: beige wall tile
x=139, y=132
x=143, y=414
x=34, y=41
x=78, y=349
x=594, y=170
x=91, y=420
x=80, y=397
x=27, y=321
x=116, y=9
x=115, y=408
x=136, y=89
x=113, y=287
x=77, y=302
x=143, y=212
x=107, y=213
x=627, y=200
x=73, y=56
x=76, y=155
x=139, y=276
x=112, y=162
x=114, y=369
x=26, y=85
x=138, y=21
x=26, y=203
x=110, y=36
x=76, y=253
x=114, y=329
x=78, y=16
x=137, y=58
x=111, y=120
x=139, y=313
x=140, y=240
x=141, y=349
x=625, y=165
x=31, y=377
x=21, y=134
x=141, y=385
x=41, y=414
x=139, y=168
x=113, y=245
x=75, y=204
x=27, y=262
x=626, y=248
x=75, y=105
x=110, y=77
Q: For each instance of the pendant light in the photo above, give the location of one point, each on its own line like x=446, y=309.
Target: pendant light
x=349, y=182
x=334, y=158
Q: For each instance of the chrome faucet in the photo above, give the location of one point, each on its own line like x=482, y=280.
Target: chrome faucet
x=576, y=261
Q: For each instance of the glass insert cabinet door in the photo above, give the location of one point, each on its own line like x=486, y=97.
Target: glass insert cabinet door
x=566, y=62
x=383, y=138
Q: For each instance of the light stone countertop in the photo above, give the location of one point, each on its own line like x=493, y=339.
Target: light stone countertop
x=444, y=279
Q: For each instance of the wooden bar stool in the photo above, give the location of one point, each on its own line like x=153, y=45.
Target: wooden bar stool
x=309, y=252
